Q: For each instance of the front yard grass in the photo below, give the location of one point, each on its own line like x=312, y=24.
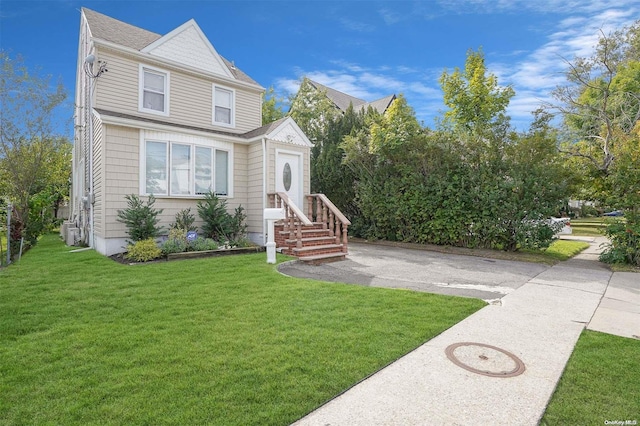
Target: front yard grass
x=564, y=249
x=85, y=340
x=589, y=227
x=599, y=384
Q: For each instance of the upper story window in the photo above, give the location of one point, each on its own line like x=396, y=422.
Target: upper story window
x=154, y=90
x=223, y=106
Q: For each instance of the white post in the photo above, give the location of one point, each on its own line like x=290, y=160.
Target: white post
x=271, y=215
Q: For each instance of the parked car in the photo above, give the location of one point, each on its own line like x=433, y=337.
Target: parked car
x=614, y=213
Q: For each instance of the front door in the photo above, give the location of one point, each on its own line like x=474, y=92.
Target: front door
x=289, y=175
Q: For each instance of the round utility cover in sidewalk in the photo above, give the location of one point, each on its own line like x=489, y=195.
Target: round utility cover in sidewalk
x=485, y=359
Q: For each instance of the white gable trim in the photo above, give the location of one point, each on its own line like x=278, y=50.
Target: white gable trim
x=288, y=131
x=194, y=54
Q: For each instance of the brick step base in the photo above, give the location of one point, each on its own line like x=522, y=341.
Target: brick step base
x=312, y=241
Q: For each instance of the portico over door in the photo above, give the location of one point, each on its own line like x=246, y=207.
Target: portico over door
x=289, y=175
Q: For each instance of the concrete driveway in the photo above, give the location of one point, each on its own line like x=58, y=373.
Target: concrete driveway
x=530, y=329
x=393, y=267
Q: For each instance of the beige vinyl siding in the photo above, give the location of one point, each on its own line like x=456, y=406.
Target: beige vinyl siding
x=117, y=90
x=98, y=177
x=122, y=175
x=248, y=110
x=190, y=96
x=255, y=193
x=239, y=178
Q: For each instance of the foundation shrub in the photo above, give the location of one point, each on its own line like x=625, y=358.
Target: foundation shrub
x=143, y=250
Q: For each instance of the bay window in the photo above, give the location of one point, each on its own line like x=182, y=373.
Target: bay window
x=180, y=169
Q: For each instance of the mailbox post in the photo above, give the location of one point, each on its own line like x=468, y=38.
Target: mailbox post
x=271, y=215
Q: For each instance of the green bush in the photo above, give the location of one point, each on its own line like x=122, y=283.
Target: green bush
x=140, y=219
x=184, y=220
x=203, y=244
x=218, y=224
x=143, y=251
x=625, y=243
x=174, y=245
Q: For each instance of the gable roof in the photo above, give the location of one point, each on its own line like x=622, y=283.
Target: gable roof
x=342, y=100
x=109, y=29
x=187, y=44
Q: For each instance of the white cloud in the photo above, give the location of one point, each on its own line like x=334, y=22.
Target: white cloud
x=390, y=17
x=533, y=74
x=418, y=86
x=542, y=70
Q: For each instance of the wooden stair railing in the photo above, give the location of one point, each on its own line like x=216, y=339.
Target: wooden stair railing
x=321, y=209
x=324, y=237
x=294, y=217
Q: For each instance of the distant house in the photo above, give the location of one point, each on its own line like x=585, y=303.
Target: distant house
x=169, y=116
x=342, y=100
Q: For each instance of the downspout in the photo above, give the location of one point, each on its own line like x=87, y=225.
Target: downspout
x=264, y=184
x=92, y=83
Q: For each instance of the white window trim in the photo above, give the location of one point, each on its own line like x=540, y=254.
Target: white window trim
x=213, y=106
x=167, y=90
x=193, y=141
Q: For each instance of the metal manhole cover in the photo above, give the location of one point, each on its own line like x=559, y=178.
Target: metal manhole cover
x=485, y=359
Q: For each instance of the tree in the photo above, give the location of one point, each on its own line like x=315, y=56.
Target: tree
x=475, y=99
x=312, y=109
x=29, y=149
x=271, y=106
x=601, y=102
x=329, y=174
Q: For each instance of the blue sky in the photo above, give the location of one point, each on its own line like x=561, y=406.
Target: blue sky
x=365, y=48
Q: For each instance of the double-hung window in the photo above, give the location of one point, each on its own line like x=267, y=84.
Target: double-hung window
x=223, y=106
x=154, y=90
x=179, y=169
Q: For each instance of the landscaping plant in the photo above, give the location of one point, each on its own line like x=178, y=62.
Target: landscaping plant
x=143, y=250
x=184, y=220
x=218, y=224
x=141, y=219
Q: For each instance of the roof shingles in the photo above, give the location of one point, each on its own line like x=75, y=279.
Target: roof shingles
x=343, y=100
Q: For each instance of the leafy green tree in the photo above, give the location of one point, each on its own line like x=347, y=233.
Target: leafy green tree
x=312, y=109
x=272, y=106
x=476, y=102
x=600, y=102
x=329, y=175
x=32, y=158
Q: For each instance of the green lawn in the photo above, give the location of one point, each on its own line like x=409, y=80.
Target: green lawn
x=559, y=250
x=588, y=227
x=85, y=340
x=601, y=382
x=565, y=249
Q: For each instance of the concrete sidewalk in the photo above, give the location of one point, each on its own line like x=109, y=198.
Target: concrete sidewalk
x=537, y=324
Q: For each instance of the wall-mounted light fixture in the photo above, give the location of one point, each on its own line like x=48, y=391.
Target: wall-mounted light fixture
x=88, y=67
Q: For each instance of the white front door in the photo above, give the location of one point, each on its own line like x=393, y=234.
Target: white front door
x=289, y=176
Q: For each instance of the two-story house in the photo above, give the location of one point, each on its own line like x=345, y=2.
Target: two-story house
x=167, y=115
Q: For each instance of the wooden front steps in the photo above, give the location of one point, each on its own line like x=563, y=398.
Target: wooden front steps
x=317, y=245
